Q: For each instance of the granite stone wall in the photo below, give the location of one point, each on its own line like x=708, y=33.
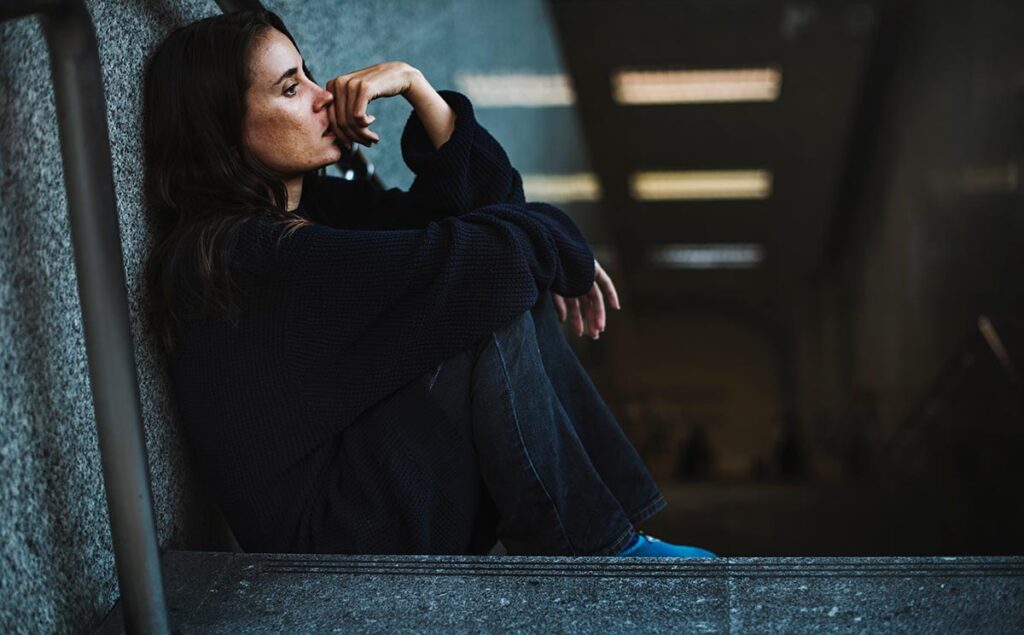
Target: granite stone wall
x=56, y=557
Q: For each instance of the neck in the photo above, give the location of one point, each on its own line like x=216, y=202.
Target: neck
x=294, y=187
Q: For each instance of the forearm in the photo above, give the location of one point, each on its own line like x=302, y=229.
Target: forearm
x=433, y=111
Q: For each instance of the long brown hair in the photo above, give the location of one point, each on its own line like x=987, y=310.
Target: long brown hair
x=201, y=185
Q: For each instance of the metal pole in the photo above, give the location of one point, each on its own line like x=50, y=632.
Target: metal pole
x=95, y=234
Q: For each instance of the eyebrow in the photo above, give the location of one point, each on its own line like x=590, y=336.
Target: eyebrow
x=288, y=73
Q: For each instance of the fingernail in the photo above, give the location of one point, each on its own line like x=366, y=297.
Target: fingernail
x=370, y=118
x=597, y=336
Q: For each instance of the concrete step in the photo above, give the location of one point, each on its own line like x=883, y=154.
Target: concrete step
x=278, y=593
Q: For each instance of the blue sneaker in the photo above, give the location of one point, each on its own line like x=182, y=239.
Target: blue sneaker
x=644, y=546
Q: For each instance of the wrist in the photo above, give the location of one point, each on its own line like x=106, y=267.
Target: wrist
x=419, y=88
x=433, y=111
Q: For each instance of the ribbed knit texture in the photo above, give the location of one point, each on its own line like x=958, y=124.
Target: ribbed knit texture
x=383, y=288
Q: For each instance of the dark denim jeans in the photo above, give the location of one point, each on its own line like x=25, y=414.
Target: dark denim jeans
x=562, y=476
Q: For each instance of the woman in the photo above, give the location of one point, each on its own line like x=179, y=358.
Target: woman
x=361, y=371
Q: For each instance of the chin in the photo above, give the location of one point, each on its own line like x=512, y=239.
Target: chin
x=332, y=157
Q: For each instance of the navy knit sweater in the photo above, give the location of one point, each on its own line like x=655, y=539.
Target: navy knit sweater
x=383, y=288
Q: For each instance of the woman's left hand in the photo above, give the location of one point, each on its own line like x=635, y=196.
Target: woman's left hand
x=588, y=311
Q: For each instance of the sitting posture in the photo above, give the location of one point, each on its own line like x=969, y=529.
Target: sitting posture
x=372, y=371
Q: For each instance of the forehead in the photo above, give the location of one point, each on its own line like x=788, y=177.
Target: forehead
x=273, y=53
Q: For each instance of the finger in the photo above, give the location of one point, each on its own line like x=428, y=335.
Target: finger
x=360, y=100
x=596, y=311
x=332, y=116
x=590, y=314
x=335, y=112
x=343, y=138
x=559, y=302
x=334, y=127
x=351, y=104
x=341, y=107
x=575, y=317
x=609, y=287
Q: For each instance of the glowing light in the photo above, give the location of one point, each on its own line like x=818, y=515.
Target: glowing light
x=708, y=256
x=640, y=86
x=701, y=184
x=516, y=89
x=562, y=188
x=989, y=179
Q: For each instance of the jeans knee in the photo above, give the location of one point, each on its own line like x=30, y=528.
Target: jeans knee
x=516, y=334
x=512, y=339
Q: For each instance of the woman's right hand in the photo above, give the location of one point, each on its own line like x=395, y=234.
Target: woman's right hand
x=588, y=311
x=354, y=91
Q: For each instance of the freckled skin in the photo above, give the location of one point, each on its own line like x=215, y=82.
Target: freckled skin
x=284, y=123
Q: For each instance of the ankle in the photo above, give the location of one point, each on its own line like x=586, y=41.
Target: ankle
x=633, y=540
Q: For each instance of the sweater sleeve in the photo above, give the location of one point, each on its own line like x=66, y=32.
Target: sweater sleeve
x=470, y=170
x=368, y=311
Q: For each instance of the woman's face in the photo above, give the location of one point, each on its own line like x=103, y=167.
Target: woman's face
x=286, y=113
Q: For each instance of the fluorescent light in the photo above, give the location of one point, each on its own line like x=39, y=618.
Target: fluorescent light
x=708, y=256
x=562, y=188
x=700, y=184
x=516, y=89
x=995, y=342
x=638, y=86
x=989, y=179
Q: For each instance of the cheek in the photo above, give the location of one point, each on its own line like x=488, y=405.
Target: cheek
x=275, y=138
x=256, y=135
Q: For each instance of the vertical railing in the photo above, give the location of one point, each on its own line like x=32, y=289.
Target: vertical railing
x=102, y=289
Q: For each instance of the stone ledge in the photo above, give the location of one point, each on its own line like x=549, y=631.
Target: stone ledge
x=275, y=593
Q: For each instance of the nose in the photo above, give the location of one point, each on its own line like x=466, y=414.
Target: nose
x=324, y=99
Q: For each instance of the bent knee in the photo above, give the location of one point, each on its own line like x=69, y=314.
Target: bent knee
x=516, y=336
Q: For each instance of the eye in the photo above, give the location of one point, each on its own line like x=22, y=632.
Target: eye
x=292, y=89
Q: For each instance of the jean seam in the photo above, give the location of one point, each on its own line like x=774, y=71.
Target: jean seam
x=526, y=451
x=617, y=545
x=433, y=379
x=635, y=518
x=647, y=510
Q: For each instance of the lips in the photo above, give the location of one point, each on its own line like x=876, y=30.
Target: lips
x=327, y=132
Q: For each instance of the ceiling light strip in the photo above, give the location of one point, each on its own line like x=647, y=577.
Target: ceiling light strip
x=707, y=256
x=562, y=188
x=638, y=86
x=516, y=89
x=667, y=185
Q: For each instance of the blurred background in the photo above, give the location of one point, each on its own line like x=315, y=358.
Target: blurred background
x=812, y=212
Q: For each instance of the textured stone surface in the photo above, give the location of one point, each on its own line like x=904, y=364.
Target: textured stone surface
x=233, y=593
x=56, y=558
x=56, y=562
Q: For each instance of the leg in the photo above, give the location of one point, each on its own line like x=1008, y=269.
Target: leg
x=550, y=497
x=611, y=452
